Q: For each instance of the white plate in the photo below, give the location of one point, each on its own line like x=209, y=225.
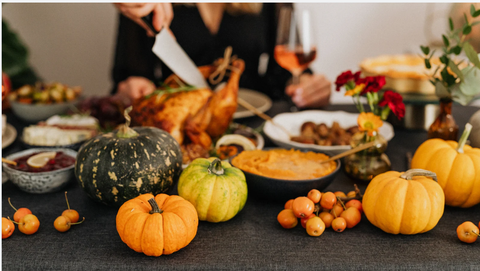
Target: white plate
x=293, y=121
x=9, y=136
x=259, y=100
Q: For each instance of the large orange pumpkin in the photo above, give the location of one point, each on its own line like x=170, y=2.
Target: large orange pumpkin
x=404, y=202
x=457, y=167
x=157, y=225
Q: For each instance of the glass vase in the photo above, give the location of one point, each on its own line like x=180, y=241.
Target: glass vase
x=366, y=164
x=444, y=125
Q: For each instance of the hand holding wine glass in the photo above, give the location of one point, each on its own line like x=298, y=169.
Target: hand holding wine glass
x=295, y=48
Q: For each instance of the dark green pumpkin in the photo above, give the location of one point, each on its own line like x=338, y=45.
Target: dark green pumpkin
x=118, y=166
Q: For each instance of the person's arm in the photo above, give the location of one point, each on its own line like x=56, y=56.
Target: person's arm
x=162, y=14
x=133, y=54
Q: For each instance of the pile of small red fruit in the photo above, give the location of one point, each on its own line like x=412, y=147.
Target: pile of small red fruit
x=467, y=232
x=318, y=211
x=28, y=223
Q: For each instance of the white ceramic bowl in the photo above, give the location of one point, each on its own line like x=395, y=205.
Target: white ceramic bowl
x=293, y=121
x=40, y=182
x=34, y=113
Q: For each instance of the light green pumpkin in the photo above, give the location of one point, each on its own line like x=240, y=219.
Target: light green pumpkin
x=216, y=189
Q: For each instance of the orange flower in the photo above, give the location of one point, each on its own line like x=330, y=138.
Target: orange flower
x=369, y=122
x=356, y=90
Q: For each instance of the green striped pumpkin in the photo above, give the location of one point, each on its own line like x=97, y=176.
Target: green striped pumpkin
x=216, y=189
x=118, y=166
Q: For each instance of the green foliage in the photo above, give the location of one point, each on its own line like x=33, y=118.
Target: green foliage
x=449, y=80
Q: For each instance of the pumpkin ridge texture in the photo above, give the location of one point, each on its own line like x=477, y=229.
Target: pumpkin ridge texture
x=114, y=170
x=217, y=198
x=458, y=173
x=400, y=206
x=158, y=233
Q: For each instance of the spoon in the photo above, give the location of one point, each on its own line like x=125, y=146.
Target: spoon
x=354, y=150
x=4, y=160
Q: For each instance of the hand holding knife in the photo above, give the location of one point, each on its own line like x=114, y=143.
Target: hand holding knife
x=172, y=54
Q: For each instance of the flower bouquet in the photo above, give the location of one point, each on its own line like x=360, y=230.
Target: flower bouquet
x=366, y=164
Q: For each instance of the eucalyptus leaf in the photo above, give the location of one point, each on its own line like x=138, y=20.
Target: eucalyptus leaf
x=456, y=70
x=444, y=59
x=441, y=91
x=472, y=10
x=476, y=14
x=471, y=84
x=467, y=29
x=445, y=41
x=471, y=54
x=475, y=23
x=460, y=97
x=456, y=50
x=427, y=63
x=450, y=23
x=425, y=49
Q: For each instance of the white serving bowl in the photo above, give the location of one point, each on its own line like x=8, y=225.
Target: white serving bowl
x=40, y=182
x=34, y=113
x=293, y=121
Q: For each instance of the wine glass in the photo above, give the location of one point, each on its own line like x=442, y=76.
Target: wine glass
x=295, y=48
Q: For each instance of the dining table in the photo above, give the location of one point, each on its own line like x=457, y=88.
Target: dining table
x=252, y=240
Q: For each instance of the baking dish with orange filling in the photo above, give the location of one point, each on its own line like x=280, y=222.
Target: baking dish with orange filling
x=284, y=164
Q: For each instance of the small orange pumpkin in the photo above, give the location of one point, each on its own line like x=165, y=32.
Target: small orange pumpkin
x=457, y=167
x=404, y=202
x=157, y=225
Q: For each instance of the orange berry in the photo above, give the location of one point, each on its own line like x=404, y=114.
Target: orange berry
x=352, y=216
x=339, y=224
x=467, y=232
x=314, y=195
x=303, y=220
x=289, y=204
x=355, y=203
x=315, y=226
x=7, y=228
x=328, y=200
x=337, y=210
x=287, y=219
x=340, y=194
x=327, y=218
x=303, y=206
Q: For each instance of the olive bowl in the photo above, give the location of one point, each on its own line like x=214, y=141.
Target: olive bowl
x=40, y=182
x=282, y=189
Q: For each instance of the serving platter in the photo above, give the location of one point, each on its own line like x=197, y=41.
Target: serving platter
x=9, y=136
x=257, y=99
x=293, y=121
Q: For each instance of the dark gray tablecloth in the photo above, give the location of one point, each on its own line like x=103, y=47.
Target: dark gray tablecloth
x=253, y=240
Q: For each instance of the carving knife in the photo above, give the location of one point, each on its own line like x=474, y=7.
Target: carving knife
x=172, y=54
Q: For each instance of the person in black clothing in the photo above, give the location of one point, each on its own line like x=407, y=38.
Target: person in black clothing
x=204, y=30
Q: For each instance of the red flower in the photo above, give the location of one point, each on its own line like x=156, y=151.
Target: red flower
x=372, y=83
x=395, y=102
x=345, y=77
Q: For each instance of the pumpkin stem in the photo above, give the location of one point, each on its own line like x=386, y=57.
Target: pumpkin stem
x=125, y=131
x=216, y=167
x=463, y=138
x=409, y=174
x=155, y=208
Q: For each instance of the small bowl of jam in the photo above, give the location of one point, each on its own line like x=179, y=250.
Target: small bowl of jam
x=50, y=176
